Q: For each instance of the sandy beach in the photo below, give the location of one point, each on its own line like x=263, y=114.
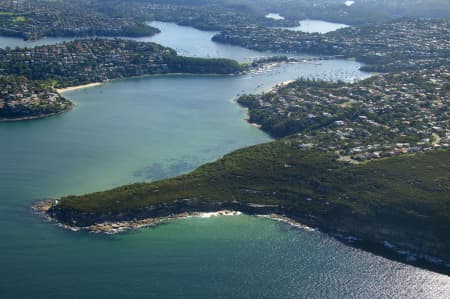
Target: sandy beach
x=123, y=226
x=282, y=84
x=61, y=90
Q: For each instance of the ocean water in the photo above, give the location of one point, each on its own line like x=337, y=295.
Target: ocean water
x=144, y=129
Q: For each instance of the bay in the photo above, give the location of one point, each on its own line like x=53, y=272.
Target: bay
x=143, y=129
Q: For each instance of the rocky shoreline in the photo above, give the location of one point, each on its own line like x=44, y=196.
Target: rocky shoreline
x=113, y=224
x=25, y=118
x=109, y=228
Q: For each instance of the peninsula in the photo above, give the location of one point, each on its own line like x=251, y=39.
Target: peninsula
x=403, y=200
x=22, y=99
x=377, y=117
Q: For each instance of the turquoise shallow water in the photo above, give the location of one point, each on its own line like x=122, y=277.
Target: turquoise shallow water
x=148, y=128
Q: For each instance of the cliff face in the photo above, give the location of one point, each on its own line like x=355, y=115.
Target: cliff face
x=74, y=217
x=417, y=240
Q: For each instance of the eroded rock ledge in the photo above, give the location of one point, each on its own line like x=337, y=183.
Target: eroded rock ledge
x=399, y=204
x=402, y=247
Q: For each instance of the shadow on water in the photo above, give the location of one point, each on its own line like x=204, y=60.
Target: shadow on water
x=173, y=167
